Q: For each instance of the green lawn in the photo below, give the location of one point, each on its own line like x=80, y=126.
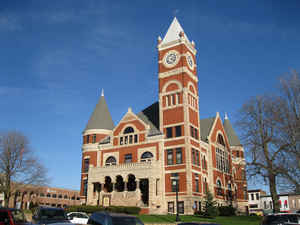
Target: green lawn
x=232, y=220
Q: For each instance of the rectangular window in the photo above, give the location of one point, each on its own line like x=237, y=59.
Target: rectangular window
x=252, y=197
x=197, y=158
x=196, y=183
x=170, y=157
x=200, y=206
x=181, y=207
x=173, y=99
x=86, y=165
x=170, y=207
x=192, y=131
x=128, y=158
x=130, y=139
x=94, y=138
x=135, y=138
x=126, y=140
x=85, y=187
x=257, y=196
x=237, y=153
x=87, y=139
x=193, y=156
x=178, y=131
x=169, y=132
x=121, y=140
x=178, y=155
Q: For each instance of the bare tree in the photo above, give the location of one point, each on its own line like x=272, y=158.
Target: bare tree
x=259, y=136
x=18, y=165
x=287, y=117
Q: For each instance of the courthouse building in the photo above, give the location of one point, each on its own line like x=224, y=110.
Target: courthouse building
x=145, y=157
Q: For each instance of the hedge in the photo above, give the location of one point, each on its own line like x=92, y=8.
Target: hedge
x=116, y=209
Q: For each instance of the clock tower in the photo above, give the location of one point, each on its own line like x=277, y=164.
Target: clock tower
x=179, y=110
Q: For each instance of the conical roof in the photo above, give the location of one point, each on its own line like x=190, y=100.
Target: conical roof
x=173, y=32
x=101, y=118
x=232, y=137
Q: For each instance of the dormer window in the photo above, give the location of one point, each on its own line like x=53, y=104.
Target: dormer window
x=221, y=140
x=110, y=161
x=128, y=136
x=146, y=157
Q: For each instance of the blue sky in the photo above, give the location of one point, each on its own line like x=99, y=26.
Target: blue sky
x=56, y=56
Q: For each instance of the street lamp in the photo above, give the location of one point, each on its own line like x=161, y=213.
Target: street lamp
x=175, y=183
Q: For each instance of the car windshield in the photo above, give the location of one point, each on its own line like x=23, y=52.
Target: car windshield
x=52, y=214
x=18, y=216
x=119, y=220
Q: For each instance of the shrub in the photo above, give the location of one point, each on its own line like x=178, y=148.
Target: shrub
x=116, y=209
x=227, y=211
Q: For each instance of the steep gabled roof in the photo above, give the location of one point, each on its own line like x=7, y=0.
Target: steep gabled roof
x=173, y=32
x=150, y=116
x=101, y=118
x=205, y=127
x=232, y=137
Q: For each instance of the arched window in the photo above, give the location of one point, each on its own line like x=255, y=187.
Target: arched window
x=219, y=187
x=221, y=140
x=146, y=156
x=128, y=130
x=110, y=161
x=128, y=136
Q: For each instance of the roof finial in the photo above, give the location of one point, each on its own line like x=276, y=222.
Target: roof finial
x=176, y=11
x=102, y=92
x=226, y=116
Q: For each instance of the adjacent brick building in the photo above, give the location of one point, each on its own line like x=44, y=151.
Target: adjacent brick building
x=43, y=195
x=139, y=161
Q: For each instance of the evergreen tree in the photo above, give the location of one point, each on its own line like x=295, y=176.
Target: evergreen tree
x=210, y=206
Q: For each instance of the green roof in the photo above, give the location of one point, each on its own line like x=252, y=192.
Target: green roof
x=101, y=118
x=232, y=137
x=205, y=127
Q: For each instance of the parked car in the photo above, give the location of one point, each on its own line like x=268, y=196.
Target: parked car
x=281, y=219
x=78, y=217
x=47, y=215
x=12, y=217
x=197, y=223
x=107, y=218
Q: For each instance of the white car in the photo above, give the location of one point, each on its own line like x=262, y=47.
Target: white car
x=78, y=217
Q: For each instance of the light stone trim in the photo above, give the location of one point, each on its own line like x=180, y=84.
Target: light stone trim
x=173, y=125
x=96, y=131
x=172, y=82
x=178, y=71
x=175, y=43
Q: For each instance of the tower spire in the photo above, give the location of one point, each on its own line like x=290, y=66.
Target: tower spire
x=102, y=92
x=174, y=32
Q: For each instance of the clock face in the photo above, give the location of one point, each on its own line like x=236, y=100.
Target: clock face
x=171, y=58
x=190, y=60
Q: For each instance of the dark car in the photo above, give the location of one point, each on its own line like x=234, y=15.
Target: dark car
x=197, y=223
x=10, y=216
x=107, y=218
x=47, y=215
x=281, y=219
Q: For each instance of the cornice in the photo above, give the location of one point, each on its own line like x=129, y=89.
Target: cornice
x=171, y=44
x=180, y=70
